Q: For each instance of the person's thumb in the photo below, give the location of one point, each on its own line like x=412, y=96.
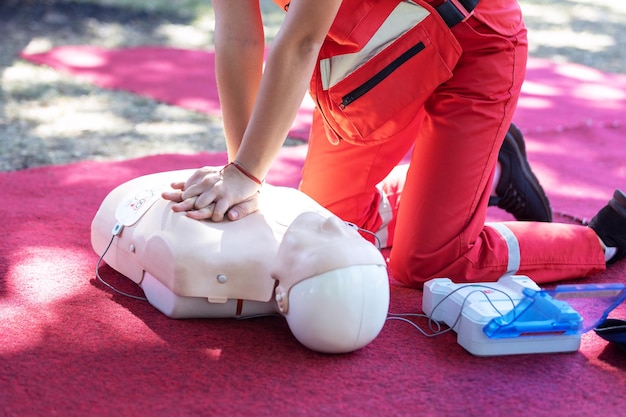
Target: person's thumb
x=242, y=209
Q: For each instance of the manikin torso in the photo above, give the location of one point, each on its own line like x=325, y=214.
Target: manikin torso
x=190, y=268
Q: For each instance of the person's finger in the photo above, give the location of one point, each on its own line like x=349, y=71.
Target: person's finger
x=185, y=205
x=192, y=191
x=195, y=178
x=203, y=187
x=174, y=196
x=205, y=199
x=220, y=209
x=201, y=175
x=203, y=213
x=178, y=185
x=243, y=209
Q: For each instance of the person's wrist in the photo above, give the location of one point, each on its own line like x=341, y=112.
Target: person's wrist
x=245, y=172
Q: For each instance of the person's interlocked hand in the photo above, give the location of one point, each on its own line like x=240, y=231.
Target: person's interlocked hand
x=215, y=192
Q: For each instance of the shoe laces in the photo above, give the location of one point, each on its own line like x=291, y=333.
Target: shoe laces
x=512, y=201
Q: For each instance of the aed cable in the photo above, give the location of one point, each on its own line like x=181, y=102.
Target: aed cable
x=116, y=230
x=435, y=327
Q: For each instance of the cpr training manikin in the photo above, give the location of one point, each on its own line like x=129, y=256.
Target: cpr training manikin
x=292, y=257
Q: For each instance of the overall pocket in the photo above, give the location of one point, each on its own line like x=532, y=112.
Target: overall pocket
x=370, y=103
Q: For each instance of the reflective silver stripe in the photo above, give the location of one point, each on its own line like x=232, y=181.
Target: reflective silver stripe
x=512, y=243
x=386, y=215
x=405, y=16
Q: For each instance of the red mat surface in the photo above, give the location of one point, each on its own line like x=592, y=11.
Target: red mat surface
x=71, y=347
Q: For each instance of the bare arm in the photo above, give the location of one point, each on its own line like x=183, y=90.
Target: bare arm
x=288, y=70
x=239, y=52
x=283, y=85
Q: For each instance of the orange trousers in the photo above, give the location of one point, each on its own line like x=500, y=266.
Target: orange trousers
x=439, y=207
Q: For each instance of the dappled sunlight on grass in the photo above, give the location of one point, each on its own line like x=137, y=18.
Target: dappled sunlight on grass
x=189, y=7
x=184, y=36
x=612, y=5
x=72, y=122
x=23, y=74
x=49, y=117
x=589, y=32
x=172, y=128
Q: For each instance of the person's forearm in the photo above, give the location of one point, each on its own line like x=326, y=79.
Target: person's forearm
x=283, y=87
x=239, y=51
x=287, y=75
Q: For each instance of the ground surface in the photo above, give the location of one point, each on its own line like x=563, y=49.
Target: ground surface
x=48, y=118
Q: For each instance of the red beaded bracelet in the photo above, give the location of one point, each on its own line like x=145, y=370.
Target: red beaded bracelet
x=244, y=172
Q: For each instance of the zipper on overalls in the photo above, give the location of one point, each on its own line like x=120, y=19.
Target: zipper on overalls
x=380, y=75
x=319, y=108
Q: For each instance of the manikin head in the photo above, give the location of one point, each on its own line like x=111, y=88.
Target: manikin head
x=333, y=286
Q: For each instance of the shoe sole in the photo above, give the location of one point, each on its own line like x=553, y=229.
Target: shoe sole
x=520, y=151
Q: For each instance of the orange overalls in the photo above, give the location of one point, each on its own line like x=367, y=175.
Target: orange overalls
x=438, y=227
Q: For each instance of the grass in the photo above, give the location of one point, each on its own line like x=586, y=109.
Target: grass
x=198, y=11
x=186, y=8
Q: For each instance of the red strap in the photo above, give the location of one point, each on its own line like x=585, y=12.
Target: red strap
x=244, y=172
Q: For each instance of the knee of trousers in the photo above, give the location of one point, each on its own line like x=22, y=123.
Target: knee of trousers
x=410, y=269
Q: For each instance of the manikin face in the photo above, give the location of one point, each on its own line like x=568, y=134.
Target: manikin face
x=314, y=245
x=312, y=232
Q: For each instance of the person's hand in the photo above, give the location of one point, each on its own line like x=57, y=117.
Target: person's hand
x=214, y=192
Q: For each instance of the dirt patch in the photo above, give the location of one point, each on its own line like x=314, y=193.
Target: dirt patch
x=49, y=118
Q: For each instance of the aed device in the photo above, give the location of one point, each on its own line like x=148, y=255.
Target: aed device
x=515, y=316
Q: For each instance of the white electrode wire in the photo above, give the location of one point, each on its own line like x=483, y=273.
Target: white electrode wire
x=106, y=283
x=378, y=244
x=435, y=327
x=368, y=232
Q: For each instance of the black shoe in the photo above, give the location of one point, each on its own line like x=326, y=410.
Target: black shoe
x=610, y=225
x=518, y=190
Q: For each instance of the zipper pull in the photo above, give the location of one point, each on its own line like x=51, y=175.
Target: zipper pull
x=345, y=101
